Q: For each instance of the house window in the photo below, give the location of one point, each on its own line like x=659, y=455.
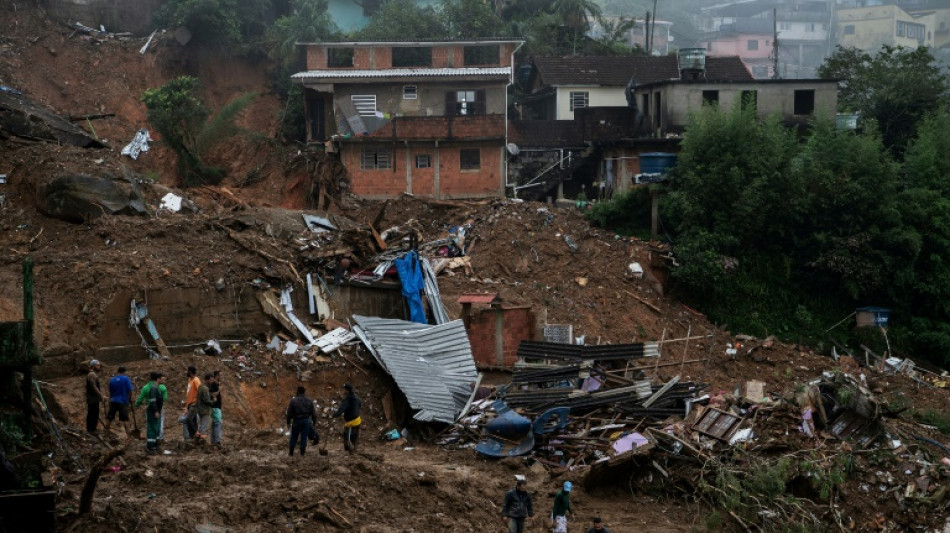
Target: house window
x=579, y=99
x=805, y=102
x=412, y=56
x=760, y=72
x=753, y=44
x=409, y=92
x=710, y=97
x=784, y=25
x=900, y=29
x=749, y=99
x=340, y=57
x=468, y=102
x=423, y=161
x=810, y=27
x=849, y=29
x=482, y=55
x=376, y=159
x=365, y=104
x=470, y=159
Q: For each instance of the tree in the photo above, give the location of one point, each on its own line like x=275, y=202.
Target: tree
x=222, y=22
x=178, y=113
x=576, y=15
x=895, y=88
x=471, y=19
x=403, y=20
x=613, y=38
x=309, y=22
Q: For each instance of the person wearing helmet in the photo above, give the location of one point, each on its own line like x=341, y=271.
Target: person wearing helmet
x=562, y=506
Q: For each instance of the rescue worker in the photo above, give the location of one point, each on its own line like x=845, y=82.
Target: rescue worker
x=350, y=410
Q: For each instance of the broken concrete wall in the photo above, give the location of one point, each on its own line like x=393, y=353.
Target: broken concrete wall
x=187, y=317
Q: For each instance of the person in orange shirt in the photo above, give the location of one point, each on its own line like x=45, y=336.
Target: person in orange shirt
x=191, y=404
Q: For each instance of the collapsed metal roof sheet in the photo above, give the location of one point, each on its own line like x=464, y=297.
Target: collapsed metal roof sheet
x=402, y=73
x=432, y=365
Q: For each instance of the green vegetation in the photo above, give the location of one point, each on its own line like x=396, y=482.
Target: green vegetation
x=938, y=419
x=895, y=88
x=177, y=111
x=232, y=23
x=783, y=232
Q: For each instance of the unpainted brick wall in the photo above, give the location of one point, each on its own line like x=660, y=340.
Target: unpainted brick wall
x=517, y=325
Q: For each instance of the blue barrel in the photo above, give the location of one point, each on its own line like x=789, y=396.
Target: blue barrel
x=656, y=162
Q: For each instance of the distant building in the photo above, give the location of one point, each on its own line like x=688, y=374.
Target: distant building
x=803, y=28
x=559, y=85
x=426, y=118
x=750, y=39
x=869, y=28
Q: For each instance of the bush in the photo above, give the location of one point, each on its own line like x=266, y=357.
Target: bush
x=626, y=213
x=181, y=117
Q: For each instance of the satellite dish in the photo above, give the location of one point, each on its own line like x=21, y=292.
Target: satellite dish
x=513, y=148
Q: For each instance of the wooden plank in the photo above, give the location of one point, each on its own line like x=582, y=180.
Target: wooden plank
x=663, y=390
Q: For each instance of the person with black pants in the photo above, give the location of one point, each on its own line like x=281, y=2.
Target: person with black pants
x=350, y=410
x=301, y=416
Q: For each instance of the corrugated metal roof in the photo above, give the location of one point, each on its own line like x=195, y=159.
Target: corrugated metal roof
x=432, y=365
x=402, y=73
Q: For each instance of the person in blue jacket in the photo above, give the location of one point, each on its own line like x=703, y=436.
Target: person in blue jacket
x=120, y=398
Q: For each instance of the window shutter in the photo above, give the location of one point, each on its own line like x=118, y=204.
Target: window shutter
x=481, y=106
x=450, y=108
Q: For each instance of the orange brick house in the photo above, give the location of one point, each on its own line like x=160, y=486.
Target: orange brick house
x=426, y=118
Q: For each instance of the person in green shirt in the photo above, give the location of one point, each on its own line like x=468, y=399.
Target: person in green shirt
x=562, y=506
x=154, y=394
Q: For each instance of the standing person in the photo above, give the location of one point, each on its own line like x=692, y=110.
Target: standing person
x=120, y=396
x=153, y=394
x=350, y=410
x=191, y=404
x=205, y=404
x=161, y=412
x=517, y=507
x=562, y=506
x=598, y=527
x=215, y=388
x=300, y=419
x=94, y=396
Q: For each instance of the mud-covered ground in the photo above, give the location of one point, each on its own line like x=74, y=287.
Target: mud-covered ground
x=518, y=250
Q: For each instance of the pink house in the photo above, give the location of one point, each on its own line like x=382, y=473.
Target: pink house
x=751, y=40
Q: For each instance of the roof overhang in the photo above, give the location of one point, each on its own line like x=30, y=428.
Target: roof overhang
x=403, y=74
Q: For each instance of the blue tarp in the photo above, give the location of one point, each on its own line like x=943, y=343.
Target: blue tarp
x=410, y=275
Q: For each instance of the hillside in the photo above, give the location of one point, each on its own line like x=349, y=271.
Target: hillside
x=244, y=234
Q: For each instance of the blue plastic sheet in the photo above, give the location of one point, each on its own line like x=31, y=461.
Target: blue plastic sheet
x=410, y=275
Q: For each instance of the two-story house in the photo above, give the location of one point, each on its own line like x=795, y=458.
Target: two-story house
x=869, y=28
x=426, y=118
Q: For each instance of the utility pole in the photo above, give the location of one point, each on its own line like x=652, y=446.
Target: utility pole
x=775, y=75
x=646, y=34
x=653, y=28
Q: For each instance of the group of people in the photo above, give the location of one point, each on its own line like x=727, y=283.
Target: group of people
x=201, y=419
x=302, y=415
x=518, y=508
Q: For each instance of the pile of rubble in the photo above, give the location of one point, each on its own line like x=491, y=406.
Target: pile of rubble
x=824, y=454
